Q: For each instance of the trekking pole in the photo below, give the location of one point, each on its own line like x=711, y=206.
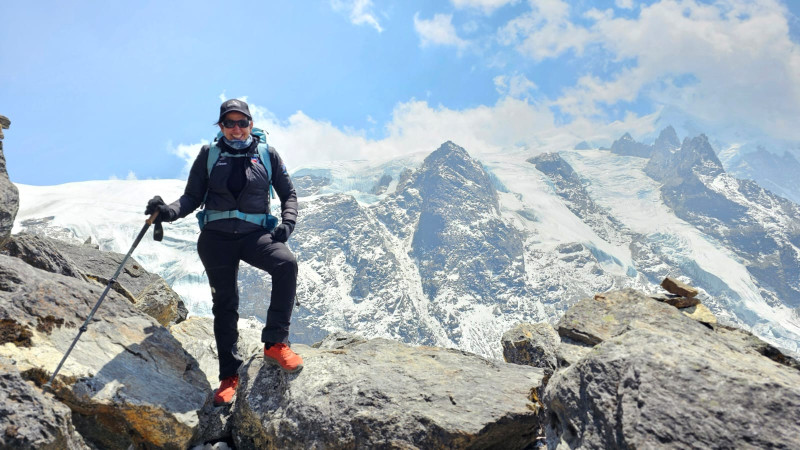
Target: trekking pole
x=113, y=280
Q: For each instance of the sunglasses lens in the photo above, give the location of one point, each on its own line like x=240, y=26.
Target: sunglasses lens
x=227, y=123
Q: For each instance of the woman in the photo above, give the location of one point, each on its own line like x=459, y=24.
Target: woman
x=236, y=189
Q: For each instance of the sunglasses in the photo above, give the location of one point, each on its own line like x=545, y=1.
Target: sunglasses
x=228, y=123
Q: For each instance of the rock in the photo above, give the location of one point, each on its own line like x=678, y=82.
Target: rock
x=382, y=184
x=677, y=287
x=127, y=381
x=532, y=345
x=31, y=419
x=380, y=393
x=676, y=300
x=673, y=386
x=40, y=252
x=748, y=342
x=594, y=320
x=9, y=195
x=160, y=302
x=4, y=124
x=570, y=352
x=147, y=291
x=196, y=334
x=701, y=314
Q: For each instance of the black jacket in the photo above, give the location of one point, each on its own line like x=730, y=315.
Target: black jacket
x=254, y=194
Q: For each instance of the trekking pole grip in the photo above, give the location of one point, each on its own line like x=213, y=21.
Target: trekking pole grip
x=152, y=218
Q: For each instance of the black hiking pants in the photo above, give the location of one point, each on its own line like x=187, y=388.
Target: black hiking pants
x=220, y=253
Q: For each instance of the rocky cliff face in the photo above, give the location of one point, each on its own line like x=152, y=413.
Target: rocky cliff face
x=9, y=195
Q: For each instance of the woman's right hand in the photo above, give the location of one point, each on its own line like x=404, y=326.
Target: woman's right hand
x=157, y=204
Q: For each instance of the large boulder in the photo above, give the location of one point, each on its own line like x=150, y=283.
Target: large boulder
x=127, y=381
x=147, y=291
x=656, y=378
x=196, y=334
x=42, y=253
x=594, y=320
x=354, y=393
x=532, y=345
x=31, y=419
x=9, y=195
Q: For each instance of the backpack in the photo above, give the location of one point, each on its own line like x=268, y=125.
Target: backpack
x=266, y=220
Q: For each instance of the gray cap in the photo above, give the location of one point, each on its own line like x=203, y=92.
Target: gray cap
x=234, y=105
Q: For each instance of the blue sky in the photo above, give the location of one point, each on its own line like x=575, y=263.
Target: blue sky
x=96, y=90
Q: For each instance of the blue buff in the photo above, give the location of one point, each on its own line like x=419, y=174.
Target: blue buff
x=238, y=145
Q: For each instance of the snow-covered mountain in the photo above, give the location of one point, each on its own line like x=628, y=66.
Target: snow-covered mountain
x=453, y=249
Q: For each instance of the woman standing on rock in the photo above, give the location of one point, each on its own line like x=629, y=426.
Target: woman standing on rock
x=232, y=177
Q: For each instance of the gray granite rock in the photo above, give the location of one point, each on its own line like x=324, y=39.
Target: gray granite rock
x=658, y=379
x=42, y=253
x=32, y=419
x=127, y=381
x=532, y=345
x=653, y=387
x=594, y=320
x=147, y=291
x=380, y=393
x=196, y=334
x=570, y=352
x=9, y=194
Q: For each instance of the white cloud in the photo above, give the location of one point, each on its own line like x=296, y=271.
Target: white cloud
x=545, y=31
x=624, y=4
x=743, y=66
x=728, y=62
x=487, y=6
x=188, y=153
x=417, y=127
x=358, y=11
x=438, y=31
x=517, y=85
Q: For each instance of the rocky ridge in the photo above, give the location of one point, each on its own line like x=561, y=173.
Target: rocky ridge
x=644, y=374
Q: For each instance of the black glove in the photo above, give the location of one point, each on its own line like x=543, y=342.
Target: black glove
x=281, y=232
x=157, y=204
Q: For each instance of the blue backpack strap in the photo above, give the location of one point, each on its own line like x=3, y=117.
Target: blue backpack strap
x=213, y=156
x=263, y=153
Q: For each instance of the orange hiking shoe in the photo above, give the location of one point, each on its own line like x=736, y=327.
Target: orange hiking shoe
x=227, y=389
x=283, y=356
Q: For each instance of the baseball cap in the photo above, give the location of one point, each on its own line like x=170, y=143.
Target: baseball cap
x=234, y=105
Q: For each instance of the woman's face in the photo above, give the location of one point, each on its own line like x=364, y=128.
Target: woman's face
x=236, y=133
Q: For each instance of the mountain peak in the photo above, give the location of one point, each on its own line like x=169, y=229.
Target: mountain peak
x=448, y=151
x=627, y=146
x=667, y=140
x=698, y=153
